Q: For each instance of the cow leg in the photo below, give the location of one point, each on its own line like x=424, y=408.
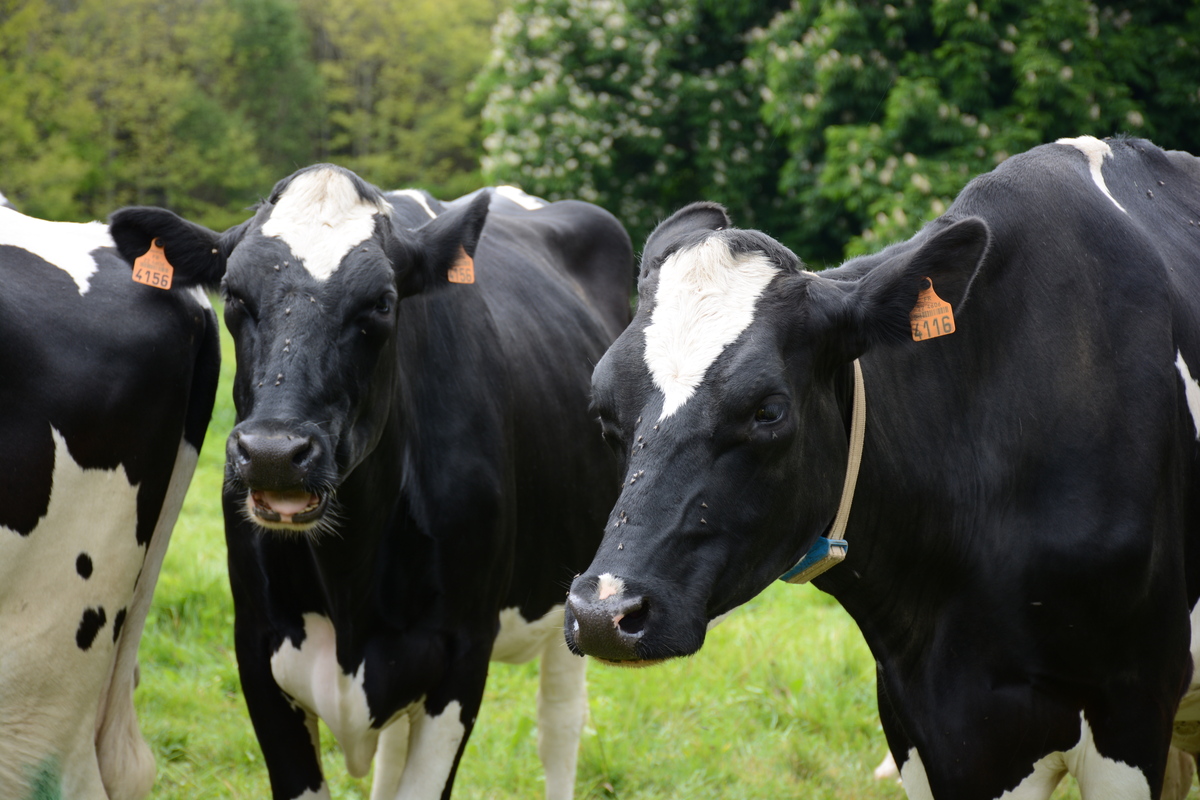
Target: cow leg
x=288, y=735
x=562, y=710
x=1177, y=782
x=391, y=755
x=440, y=725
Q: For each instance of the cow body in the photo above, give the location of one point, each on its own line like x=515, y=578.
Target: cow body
x=108, y=389
x=412, y=466
x=1023, y=536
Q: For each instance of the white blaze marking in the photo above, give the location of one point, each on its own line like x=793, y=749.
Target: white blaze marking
x=1191, y=391
x=417, y=196
x=519, y=197
x=1096, y=151
x=321, y=218
x=66, y=245
x=608, y=586
x=312, y=676
x=705, y=299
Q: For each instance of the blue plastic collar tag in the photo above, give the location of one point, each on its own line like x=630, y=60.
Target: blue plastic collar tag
x=824, y=554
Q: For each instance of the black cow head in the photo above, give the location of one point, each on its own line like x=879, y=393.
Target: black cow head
x=312, y=284
x=727, y=401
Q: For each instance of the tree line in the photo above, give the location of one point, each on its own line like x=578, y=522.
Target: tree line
x=201, y=105
x=837, y=126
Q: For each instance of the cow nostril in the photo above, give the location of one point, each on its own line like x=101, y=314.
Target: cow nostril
x=634, y=622
x=303, y=451
x=242, y=453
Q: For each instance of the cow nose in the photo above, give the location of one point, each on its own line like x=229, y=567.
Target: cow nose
x=272, y=461
x=610, y=628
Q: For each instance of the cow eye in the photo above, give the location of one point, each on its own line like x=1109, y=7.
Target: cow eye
x=384, y=304
x=771, y=410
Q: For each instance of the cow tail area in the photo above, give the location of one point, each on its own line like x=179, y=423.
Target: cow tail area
x=127, y=766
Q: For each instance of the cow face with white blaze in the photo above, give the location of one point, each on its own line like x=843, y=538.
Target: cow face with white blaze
x=312, y=284
x=728, y=401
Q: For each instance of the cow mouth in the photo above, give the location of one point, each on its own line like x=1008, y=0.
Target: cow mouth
x=296, y=508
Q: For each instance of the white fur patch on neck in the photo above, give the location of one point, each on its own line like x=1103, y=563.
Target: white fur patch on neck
x=1096, y=151
x=705, y=299
x=321, y=217
x=66, y=245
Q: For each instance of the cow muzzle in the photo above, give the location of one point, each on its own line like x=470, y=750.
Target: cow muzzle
x=276, y=467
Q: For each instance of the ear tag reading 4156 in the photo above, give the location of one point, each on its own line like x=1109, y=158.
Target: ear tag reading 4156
x=152, y=268
x=931, y=317
x=463, y=270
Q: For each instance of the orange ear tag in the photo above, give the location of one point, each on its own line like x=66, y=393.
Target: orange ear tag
x=463, y=270
x=152, y=268
x=931, y=317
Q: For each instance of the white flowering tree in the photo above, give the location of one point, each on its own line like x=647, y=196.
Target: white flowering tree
x=638, y=105
x=889, y=108
x=837, y=126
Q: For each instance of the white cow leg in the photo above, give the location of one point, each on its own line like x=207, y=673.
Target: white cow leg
x=391, y=754
x=562, y=710
x=433, y=747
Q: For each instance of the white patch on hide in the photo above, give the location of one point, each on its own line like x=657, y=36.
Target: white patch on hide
x=66, y=245
x=1096, y=151
x=520, y=641
x=321, y=217
x=51, y=688
x=609, y=586
x=417, y=196
x=320, y=794
x=914, y=778
x=526, y=201
x=705, y=299
x=313, y=678
x=1191, y=390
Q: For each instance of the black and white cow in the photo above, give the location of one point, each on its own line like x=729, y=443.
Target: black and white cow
x=1023, y=538
x=414, y=469
x=107, y=389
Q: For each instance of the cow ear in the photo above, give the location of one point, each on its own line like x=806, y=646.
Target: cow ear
x=197, y=253
x=442, y=250
x=680, y=227
x=948, y=258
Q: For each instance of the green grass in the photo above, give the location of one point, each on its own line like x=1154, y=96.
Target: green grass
x=780, y=703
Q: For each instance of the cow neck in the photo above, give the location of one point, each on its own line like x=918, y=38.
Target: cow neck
x=828, y=551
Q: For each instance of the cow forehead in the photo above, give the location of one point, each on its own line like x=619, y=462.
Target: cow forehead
x=321, y=216
x=706, y=297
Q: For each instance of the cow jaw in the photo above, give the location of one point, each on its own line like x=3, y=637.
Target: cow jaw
x=289, y=511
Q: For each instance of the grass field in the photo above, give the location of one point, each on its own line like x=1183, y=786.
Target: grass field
x=779, y=704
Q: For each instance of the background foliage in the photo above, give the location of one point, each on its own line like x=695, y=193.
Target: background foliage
x=201, y=105
x=837, y=126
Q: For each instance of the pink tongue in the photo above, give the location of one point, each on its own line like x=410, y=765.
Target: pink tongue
x=288, y=503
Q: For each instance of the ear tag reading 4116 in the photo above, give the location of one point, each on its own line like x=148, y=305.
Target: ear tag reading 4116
x=931, y=317
x=463, y=270
x=152, y=268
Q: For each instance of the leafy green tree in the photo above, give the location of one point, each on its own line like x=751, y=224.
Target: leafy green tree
x=836, y=125
x=888, y=109
x=395, y=83
x=638, y=105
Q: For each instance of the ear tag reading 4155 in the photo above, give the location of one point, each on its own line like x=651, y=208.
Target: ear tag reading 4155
x=463, y=270
x=152, y=268
x=931, y=317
